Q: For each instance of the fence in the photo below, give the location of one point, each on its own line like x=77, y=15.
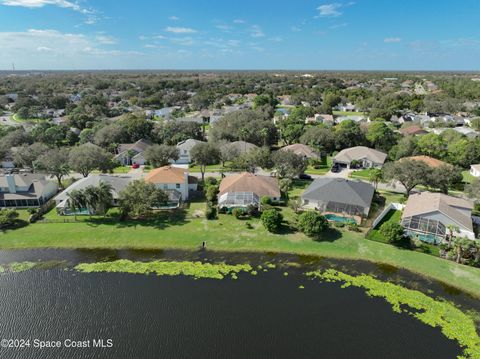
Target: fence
x=390, y=207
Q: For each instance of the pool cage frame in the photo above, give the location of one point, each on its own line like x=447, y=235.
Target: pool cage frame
x=425, y=226
x=238, y=199
x=343, y=208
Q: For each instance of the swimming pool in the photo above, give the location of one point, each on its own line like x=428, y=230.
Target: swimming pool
x=335, y=218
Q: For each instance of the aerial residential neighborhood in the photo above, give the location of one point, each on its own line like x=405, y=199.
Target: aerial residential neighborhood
x=239, y=179
x=349, y=162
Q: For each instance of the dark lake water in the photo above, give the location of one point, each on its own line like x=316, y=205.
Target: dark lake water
x=263, y=316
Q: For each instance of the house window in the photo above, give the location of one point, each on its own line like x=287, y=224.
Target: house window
x=177, y=185
x=165, y=186
x=184, y=152
x=305, y=201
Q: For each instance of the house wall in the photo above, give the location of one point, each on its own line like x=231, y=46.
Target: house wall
x=438, y=216
x=184, y=156
x=474, y=172
x=181, y=187
x=50, y=190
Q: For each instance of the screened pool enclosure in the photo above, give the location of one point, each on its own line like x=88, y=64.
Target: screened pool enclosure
x=238, y=199
x=425, y=229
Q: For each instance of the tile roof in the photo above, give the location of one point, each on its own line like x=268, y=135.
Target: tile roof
x=248, y=182
x=166, y=174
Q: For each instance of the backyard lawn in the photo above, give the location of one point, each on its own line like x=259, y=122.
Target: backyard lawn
x=323, y=169
x=467, y=177
x=182, y=230
x=348, y=113
x=362, y=174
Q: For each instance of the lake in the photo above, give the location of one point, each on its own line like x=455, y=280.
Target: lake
x=262, y=316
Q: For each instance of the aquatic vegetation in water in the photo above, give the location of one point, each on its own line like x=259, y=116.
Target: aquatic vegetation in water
x=21, y=266
x=193, y=269
x=453, y=323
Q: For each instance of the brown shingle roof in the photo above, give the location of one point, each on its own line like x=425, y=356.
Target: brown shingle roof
x=300, y=149
x=413, y=130
x=248, y=182
x=427, y=202
x=429, y=161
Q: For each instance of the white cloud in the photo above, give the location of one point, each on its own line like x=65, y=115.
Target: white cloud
x=337, y=26
x=54, y=49
x=276, y=39
x=106, y=40
x=91, y=16
x=41, y=3
x=392, y=39
x=330, y=10
x=184, y=41
x=256, y=31
x=223, y=27
x=174, y=18
x=333, y=9
x=180, y=30
x=239, y=21
x=295, y=29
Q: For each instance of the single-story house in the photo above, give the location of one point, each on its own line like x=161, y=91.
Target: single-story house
x=302, y=150
x=429, y=161
x=243, y=147
x=117, y=183
x=413, y=131
x=320, y=118
x=25, y=190
x=366, y=157
x=357, y=119
x=132, y=153
x=339, y=198
x=427, y=216
x=349, y=107
x=475, y=170
x=184, y=149
x=244, y=189
x=173, y=180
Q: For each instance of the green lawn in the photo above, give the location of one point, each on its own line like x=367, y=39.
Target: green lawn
x=348, y=113
x=323, y=169
x=181, y=230
x=362, y=174
x=211, y=168
x=16, y=118
x=467, y=177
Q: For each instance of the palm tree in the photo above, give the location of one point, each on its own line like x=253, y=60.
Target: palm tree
x=451, y=229
x=104, y=197
x=91, y=199
x=460, y=246
x=75, y=201
x=375, y=176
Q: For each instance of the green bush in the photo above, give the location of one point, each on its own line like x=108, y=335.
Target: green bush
x=210, y=212
x=210, y=181
x=272, y=220
x=393, y=232
x=353, y=227
x=211, y=193
x=265, y=200
x=237, y=212
x=312, y=223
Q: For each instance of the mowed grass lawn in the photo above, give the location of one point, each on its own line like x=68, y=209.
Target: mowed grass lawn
x=183, y=231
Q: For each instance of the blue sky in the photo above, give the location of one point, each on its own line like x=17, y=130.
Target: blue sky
x=246, y=34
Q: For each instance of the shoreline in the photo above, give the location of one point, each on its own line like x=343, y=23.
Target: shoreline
x=218, y=251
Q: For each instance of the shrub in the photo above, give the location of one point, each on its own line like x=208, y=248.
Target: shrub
x=210, y=212
x=353, y=227
x=338, y=224
x=210, y=181
x=312, y=223
x=272, y=220
x=266, y=201
x=393, y=232
x=211, y=193
x=237, y=212
x=252, y=210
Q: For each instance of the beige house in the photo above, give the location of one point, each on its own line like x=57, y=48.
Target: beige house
x=366, y=157
x=244, y=189
x=427, y=216
x=301, y=150
x=25, y=190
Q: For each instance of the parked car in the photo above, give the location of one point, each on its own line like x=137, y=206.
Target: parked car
x=135, y=165
x=336, y=169
x=304, y=176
